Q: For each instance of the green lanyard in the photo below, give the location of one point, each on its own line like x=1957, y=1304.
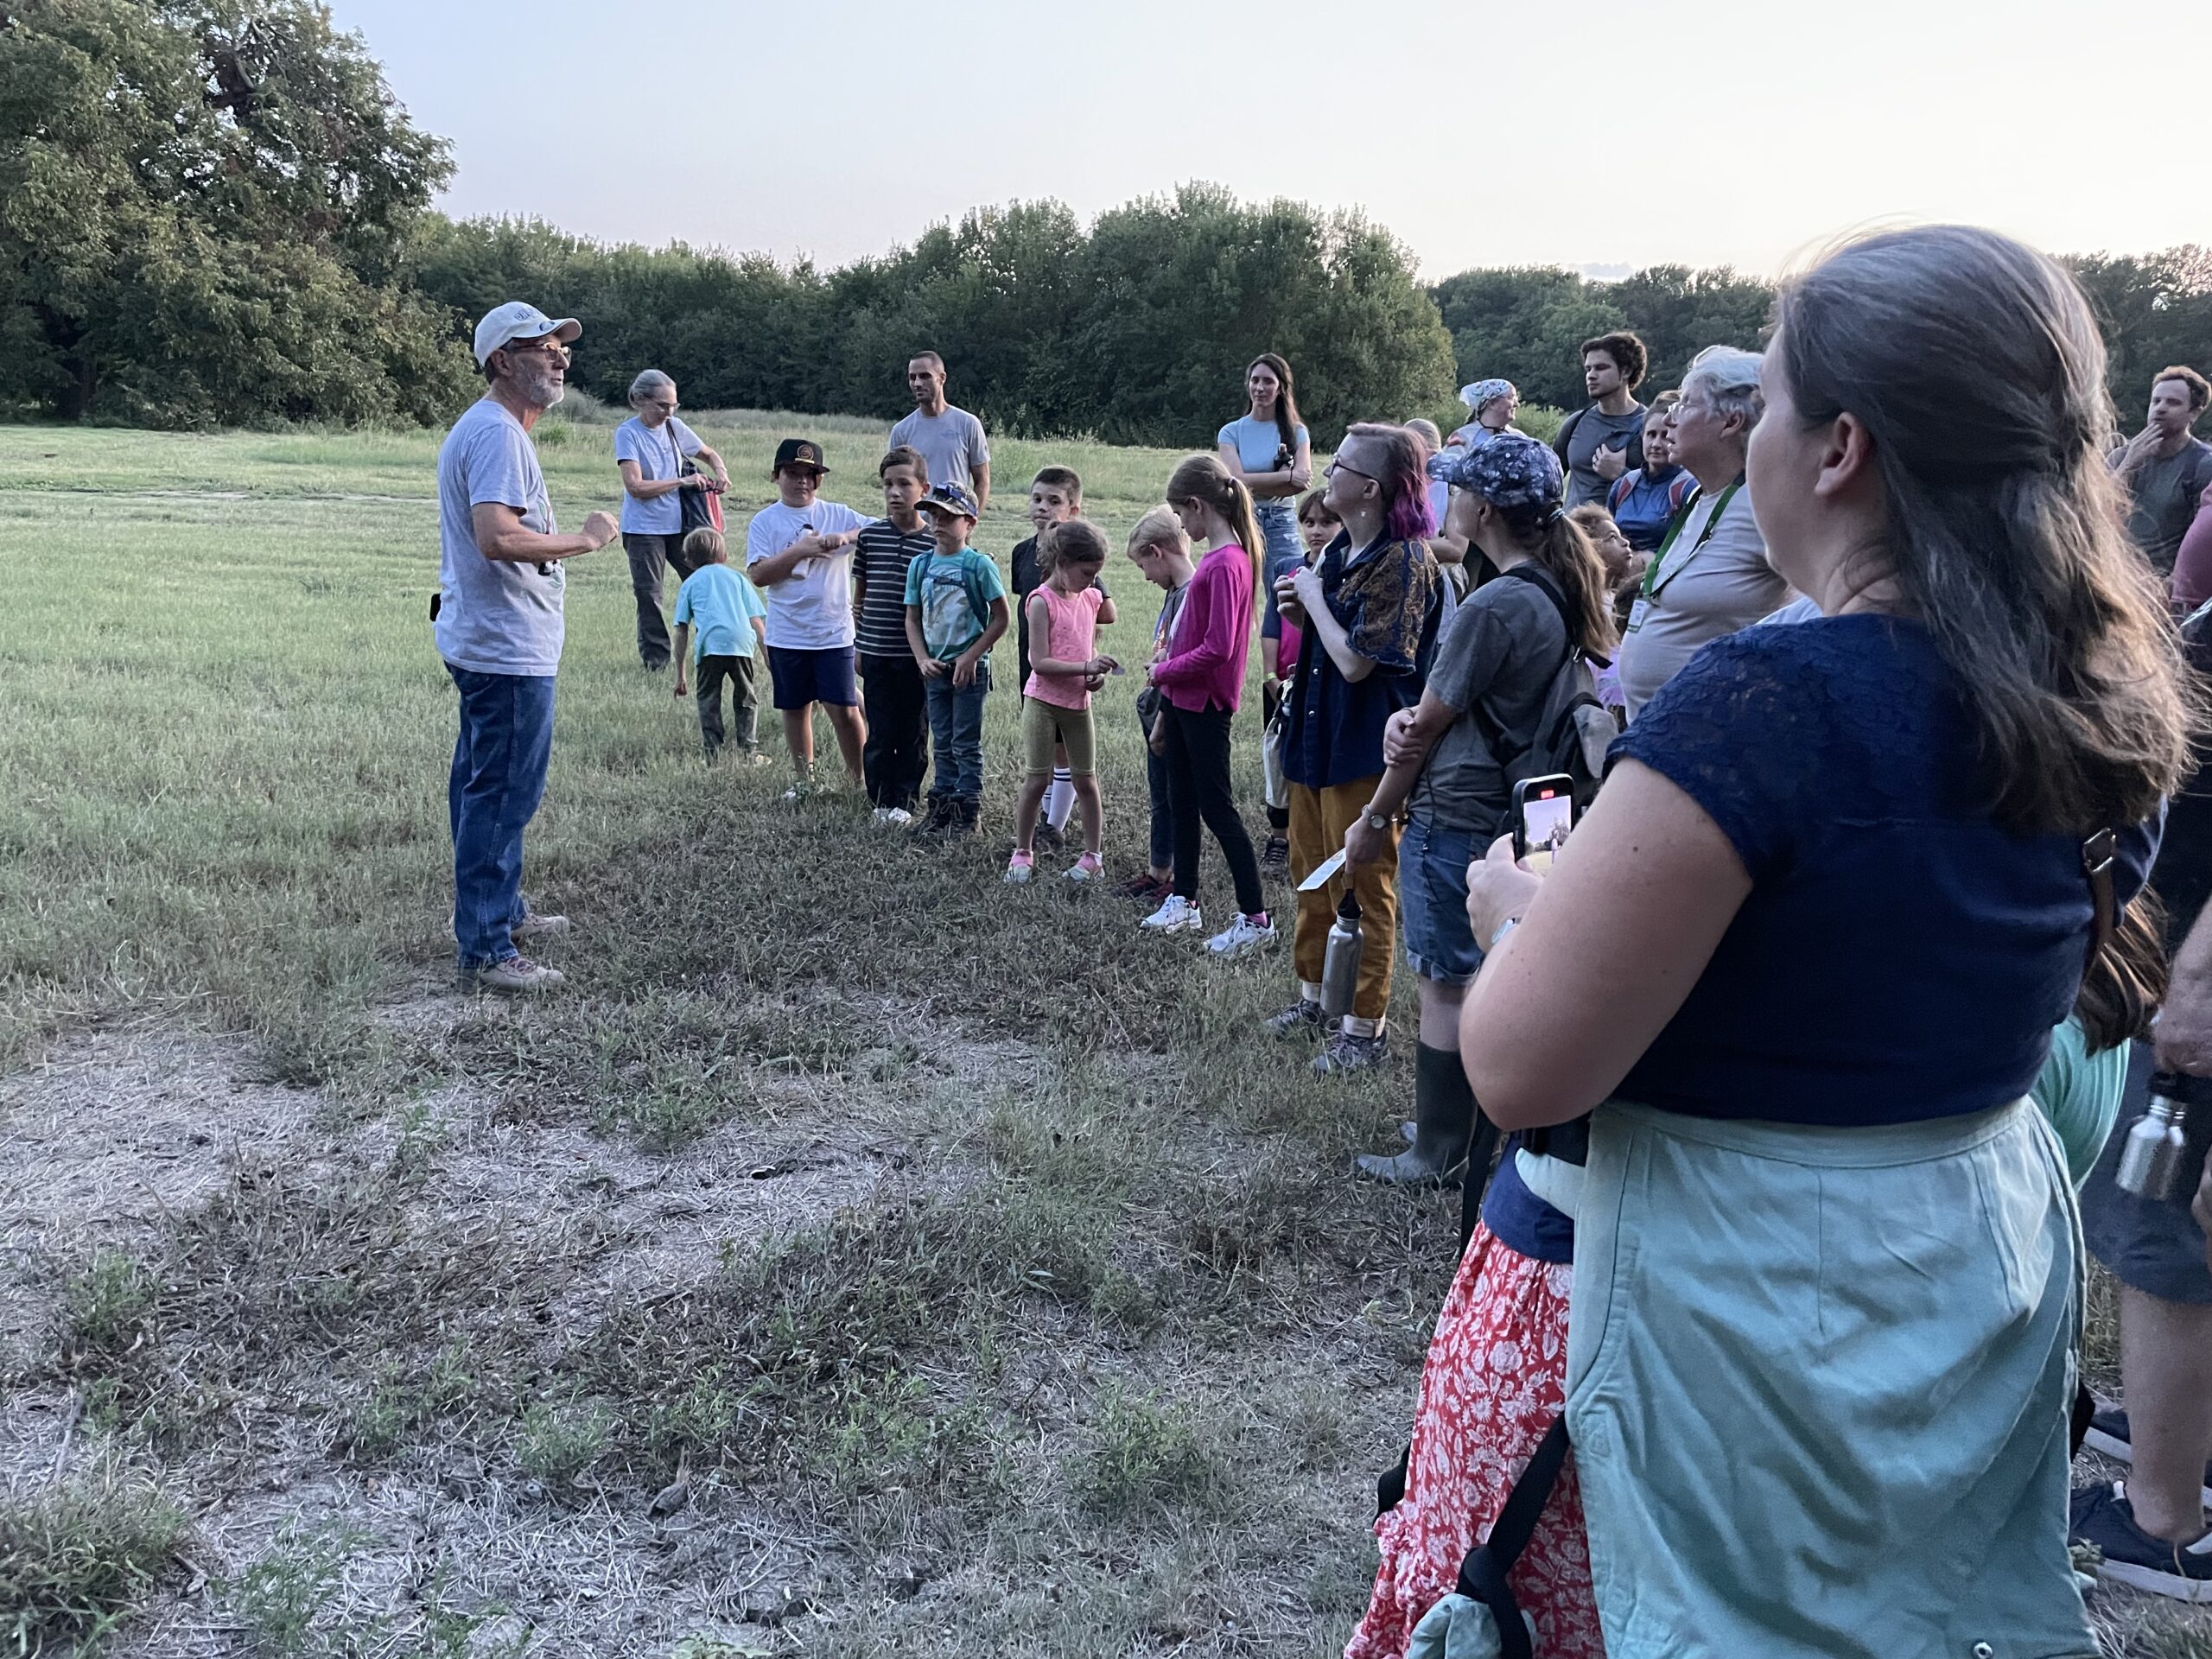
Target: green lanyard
x=1652, y=584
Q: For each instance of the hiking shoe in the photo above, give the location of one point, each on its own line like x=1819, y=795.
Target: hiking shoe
x=2102, y=1515
x=1274, y=857
x=1346, y=1053
x=1087, y=868
x=1048, y=839
x=536, y=925
x=2108, y=1434
x=1246, y=933
x=1301, y=1018
x=966, y=815
x=1176, y=914
x=936, y=821
x=1146, y=885
x=1020, y=867
x=515, y=975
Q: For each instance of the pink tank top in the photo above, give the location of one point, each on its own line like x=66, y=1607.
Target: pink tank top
x=1070, y=636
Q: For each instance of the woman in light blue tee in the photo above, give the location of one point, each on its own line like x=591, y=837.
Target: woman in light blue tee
x=650, y=451
x=1269, y=451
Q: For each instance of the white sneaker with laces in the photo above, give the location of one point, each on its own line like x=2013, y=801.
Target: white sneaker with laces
x=1240, y=936
x=896, y=815
x=1175, y=915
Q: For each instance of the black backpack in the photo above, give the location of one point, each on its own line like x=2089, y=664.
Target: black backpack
x=1573, y=729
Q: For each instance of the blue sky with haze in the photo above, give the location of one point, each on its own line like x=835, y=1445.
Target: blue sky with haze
x=1480, y=131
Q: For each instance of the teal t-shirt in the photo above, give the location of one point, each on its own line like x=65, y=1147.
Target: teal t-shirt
x=719, y=603
x=955, y=598
x=2080, y=1093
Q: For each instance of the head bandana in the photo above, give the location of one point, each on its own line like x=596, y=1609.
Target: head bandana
x=1483, y=392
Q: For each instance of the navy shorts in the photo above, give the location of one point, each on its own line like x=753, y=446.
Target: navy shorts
x=2150, y=1246
x=1432, y=902
x=804, y=676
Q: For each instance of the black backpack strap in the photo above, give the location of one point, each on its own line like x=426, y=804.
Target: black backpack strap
x=1536, y=576
x=1566, y=434
x=1483, y=1573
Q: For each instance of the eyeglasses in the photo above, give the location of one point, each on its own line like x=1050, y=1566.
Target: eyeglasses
x=1336, y=466
x=547, y=343
x=667, y=404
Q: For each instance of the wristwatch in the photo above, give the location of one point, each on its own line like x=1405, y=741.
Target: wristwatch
x=1376, y=821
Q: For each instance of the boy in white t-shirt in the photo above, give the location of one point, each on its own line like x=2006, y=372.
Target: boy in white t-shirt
x=800, y=551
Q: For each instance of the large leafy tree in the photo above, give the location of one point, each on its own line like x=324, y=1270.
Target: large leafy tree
x=207, y=213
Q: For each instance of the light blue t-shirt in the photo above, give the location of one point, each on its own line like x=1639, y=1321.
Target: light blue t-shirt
x=659, y=453
x=720, y=604
x=494, y=617
x=955, y=596
x=1258, y=442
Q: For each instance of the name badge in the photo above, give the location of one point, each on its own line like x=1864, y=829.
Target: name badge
x=1637, y=611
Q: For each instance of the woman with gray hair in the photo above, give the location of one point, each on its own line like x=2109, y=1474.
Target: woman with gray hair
x=1710, y=575
x=650, y=449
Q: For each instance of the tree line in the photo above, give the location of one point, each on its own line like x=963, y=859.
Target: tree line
x=214, y=212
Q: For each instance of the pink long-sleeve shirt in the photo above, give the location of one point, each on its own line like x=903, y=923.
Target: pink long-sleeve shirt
x=2192, y=579
x=1212, y=635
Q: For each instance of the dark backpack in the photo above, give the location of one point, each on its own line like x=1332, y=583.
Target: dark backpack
x=1573, y=729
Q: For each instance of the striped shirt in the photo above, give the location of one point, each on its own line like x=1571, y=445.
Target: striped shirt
x=879, y=565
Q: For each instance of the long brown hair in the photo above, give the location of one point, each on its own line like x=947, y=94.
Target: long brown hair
x=1553, y=540
x=1975, y=365
x=1286, y=399
x=2121, y=992
x=1203, y=478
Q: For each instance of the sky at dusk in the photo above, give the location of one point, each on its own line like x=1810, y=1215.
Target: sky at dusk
x=1600, y=135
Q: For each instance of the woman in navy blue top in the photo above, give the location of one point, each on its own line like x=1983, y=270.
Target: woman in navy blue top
x=1804, y=956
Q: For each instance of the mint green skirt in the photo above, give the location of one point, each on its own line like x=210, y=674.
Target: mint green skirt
x=1818, y=1386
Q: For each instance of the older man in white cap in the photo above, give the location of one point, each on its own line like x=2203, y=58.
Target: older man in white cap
x=498, y=623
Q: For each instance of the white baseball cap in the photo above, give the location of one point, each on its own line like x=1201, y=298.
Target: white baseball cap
x=515, y=320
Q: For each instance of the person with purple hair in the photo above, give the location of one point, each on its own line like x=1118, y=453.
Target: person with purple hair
x=1369, y=609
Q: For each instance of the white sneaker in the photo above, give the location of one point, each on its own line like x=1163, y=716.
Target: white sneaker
x=516, y=975
x=1240, y=936
x=1175, y=915
x=881, y=815
x=898, y=817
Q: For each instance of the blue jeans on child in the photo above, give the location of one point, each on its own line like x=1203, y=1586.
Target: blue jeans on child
x=956, y=733
x=498, y=779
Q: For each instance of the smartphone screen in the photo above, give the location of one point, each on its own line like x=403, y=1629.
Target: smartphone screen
x=1543, y=814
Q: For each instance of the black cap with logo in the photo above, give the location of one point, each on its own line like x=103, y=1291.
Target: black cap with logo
x=799, y=452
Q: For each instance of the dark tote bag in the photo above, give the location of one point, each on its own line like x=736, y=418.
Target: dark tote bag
x=697, y=506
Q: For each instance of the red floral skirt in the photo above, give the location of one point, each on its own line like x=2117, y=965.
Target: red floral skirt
x=1495, y=1379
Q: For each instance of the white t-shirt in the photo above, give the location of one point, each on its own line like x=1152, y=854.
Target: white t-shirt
x=812, y=609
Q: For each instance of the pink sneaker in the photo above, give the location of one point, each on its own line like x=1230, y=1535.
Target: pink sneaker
x=1089, y=867
x=1021, y=867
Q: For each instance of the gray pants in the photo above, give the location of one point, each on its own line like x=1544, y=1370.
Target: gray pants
x=744, y=701
x=647, y=554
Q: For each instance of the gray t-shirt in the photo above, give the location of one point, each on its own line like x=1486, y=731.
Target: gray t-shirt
x=494, y=617
x=1500, y=651
x=2161, y=504
x=952, y=443
x=659, y=453
x=1596, y=427
x=1704, y=585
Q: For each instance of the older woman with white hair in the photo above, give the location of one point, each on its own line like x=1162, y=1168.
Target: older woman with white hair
x=1710, y=575
x=650, y=449
x=1491, y=405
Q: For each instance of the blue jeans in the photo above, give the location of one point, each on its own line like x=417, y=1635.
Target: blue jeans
x=1286, y=551
x=498, y=779
x=1433, y=901
x=957, y=733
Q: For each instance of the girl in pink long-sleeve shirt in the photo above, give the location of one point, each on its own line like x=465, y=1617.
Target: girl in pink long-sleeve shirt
x=1202, y=677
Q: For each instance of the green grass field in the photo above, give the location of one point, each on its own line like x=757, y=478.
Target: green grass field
x=859, y=1257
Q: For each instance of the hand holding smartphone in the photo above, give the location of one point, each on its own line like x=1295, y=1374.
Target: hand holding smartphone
x=1543, y=814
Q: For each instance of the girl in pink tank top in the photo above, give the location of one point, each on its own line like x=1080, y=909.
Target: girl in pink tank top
x=1065, y=668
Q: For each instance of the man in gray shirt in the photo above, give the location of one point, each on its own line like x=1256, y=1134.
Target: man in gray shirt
x=951, y=440
x=498, y=623
x=1598, y=444
x=2163, y=469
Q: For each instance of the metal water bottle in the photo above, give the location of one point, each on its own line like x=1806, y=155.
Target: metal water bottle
x=2151, y=1160
x=1340, y=965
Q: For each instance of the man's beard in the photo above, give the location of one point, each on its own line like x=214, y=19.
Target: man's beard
x=541, y=389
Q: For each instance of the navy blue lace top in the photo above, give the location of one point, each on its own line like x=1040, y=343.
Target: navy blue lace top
x=1900, y=956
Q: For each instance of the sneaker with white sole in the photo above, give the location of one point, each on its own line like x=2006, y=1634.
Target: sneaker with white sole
x=1020, y=867
x=1303, y=1018
x=1089, y=867
x=799, y=791
x=2102, y=1515
x=536, y=924
x=897, y=816
x=515, y=975
x=1176, y=914
x=1246, y=933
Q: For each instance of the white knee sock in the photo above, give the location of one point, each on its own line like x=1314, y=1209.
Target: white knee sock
x=1059, y=799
